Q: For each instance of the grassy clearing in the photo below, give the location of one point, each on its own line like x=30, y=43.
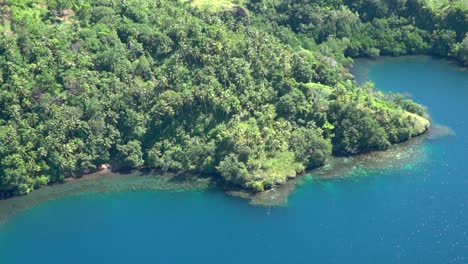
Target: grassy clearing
x=215, y=5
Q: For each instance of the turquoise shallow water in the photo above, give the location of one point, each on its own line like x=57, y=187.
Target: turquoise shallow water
x=417, y=214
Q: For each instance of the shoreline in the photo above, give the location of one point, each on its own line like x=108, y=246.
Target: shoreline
x=453, y=61
x=432, y=132
x=110, y=171
x=399, y=156
x=113, y=170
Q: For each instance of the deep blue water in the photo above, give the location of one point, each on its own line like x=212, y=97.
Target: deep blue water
x=417, y=215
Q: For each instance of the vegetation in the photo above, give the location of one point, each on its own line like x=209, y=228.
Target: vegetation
x=214, y=5
x=253, y=91
x=370, y=27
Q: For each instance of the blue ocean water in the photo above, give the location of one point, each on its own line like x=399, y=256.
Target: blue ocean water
x=413, y=215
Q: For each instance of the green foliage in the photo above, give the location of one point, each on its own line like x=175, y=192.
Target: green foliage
x=410, y=105
x=357, y=129
x=214, y=5
x=130, y=154
x=461, y=50
x=369, y=27
x=253, y=96
x=309, y=146
x=235, y=171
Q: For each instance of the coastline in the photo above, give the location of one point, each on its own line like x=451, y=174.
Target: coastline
x=109, y=181
x=108, y=171
x=453, y=61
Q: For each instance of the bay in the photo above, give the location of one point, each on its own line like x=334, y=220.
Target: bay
x=412, y=212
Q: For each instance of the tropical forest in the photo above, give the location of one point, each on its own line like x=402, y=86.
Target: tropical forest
x=253, y=92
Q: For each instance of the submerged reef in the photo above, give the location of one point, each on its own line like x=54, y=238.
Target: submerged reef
x=399, y=157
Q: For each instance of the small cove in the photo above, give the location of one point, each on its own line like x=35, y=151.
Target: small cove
x=411, y=210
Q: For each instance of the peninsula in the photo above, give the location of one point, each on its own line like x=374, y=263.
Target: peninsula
x=254, y=92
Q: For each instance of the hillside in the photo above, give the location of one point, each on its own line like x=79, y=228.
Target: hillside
x=253, y=92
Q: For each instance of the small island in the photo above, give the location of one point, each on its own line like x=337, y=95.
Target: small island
x=255, y=92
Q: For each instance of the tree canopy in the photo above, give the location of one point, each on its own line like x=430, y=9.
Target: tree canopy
x=252, y=91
